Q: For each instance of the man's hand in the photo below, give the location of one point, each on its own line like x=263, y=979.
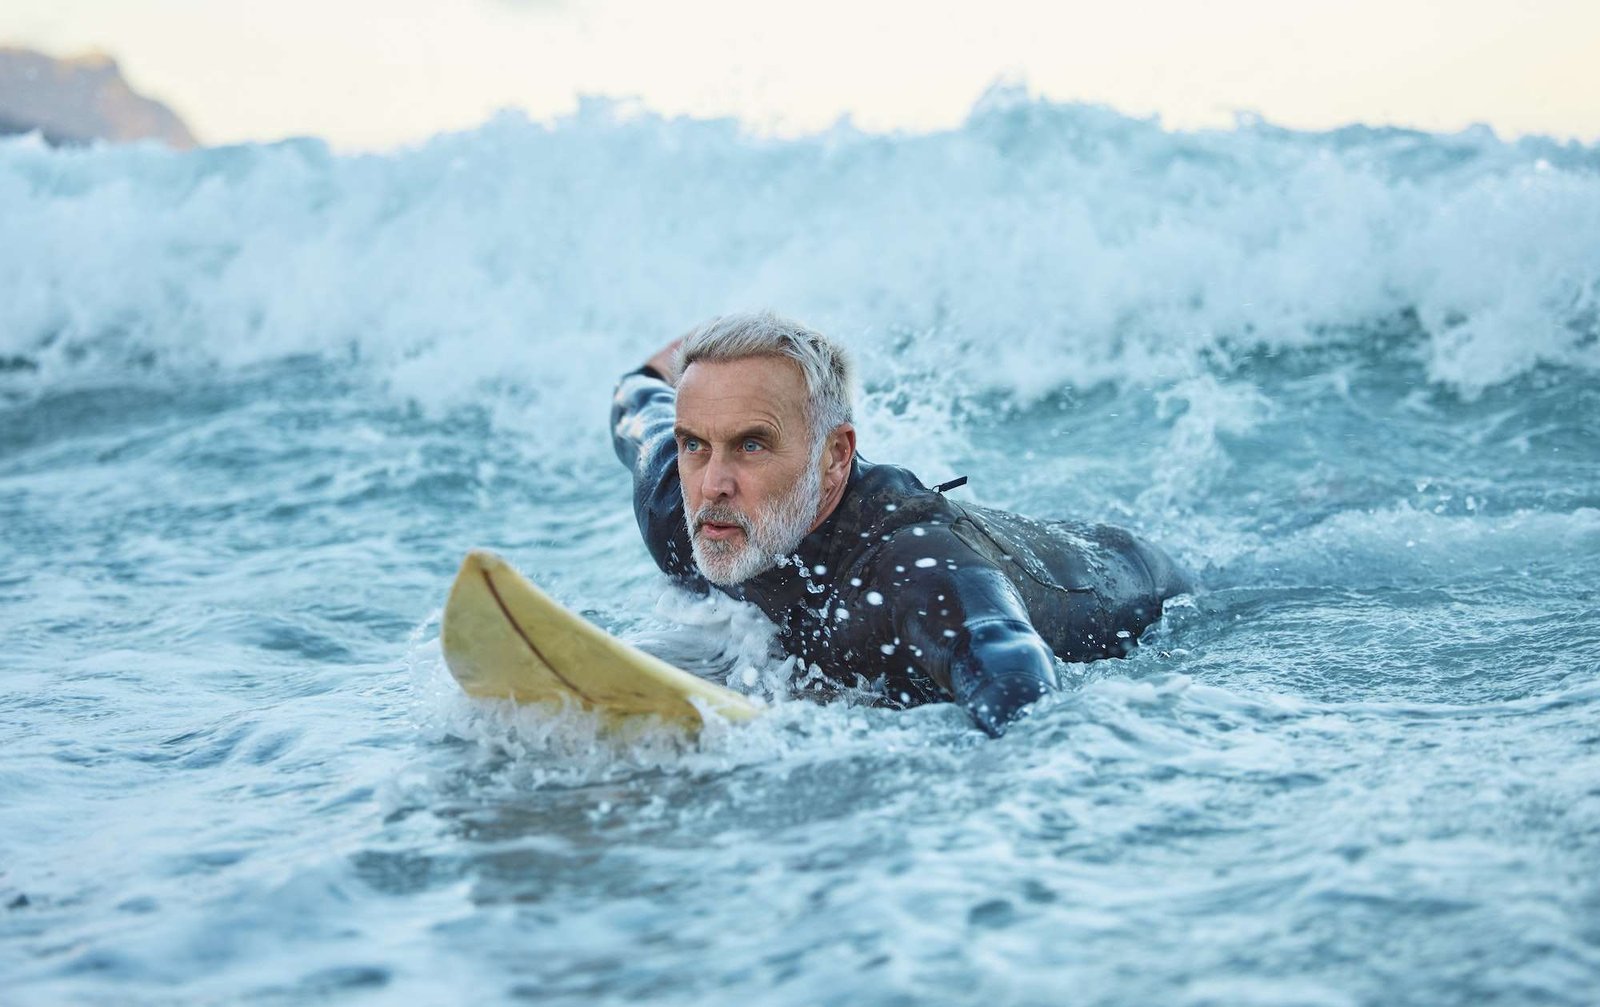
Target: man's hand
x=665, y=362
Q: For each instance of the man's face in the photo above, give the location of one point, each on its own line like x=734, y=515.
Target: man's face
x=751, y=480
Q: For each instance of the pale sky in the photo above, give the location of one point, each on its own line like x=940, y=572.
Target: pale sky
x=373, y=73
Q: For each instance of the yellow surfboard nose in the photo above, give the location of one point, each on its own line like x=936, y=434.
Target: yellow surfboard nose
x=504, y=638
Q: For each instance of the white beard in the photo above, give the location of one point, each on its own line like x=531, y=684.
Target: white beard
x=772, y=535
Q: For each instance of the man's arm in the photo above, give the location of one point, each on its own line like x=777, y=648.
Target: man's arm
x=963, y=622
x=642, y=414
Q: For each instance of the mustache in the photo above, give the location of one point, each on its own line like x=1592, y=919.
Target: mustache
x=722, y=514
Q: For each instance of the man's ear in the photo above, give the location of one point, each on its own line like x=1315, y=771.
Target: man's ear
x=836, y=460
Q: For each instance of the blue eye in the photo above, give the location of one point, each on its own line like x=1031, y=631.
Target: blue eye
x=691, y=444
x=751, y=444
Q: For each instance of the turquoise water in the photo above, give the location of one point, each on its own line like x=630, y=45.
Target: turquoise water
x=256, y=402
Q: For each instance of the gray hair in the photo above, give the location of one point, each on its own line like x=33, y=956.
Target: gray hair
x=824, y=363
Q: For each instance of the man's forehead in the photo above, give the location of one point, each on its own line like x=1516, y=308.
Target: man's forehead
x=750, y=388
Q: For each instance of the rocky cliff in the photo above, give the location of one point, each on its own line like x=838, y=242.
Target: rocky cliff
x=79, y=100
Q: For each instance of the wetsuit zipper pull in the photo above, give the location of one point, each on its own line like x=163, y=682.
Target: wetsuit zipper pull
x=952, y=484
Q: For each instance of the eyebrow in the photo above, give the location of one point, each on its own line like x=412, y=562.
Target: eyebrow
x=760, y=430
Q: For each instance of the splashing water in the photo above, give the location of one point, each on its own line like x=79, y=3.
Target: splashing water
x=256, y=401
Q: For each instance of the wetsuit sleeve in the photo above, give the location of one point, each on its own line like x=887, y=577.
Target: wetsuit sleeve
x=964, y=623
x=642, y=414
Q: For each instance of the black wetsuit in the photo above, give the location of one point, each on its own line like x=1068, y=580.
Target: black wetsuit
x=909, y=593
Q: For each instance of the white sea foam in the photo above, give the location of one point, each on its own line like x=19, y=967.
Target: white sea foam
x=1038, y=246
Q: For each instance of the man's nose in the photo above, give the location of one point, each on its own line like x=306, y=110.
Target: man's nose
x=717, y=480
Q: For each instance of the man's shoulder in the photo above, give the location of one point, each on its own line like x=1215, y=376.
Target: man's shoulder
x=884, y=497
x=901, y=529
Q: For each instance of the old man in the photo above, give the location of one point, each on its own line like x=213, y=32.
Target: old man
x=746, y=480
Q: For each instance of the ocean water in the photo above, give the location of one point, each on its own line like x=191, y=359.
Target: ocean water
x=255, y=402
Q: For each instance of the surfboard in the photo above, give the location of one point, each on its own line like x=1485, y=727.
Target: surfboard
x=503, y=638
